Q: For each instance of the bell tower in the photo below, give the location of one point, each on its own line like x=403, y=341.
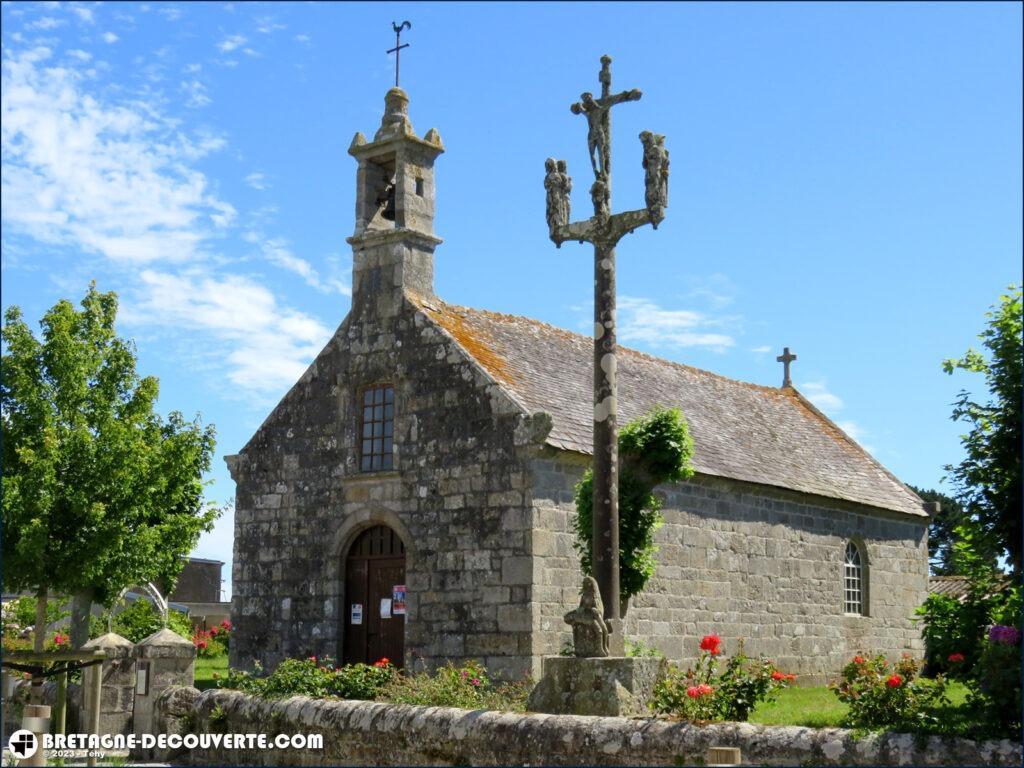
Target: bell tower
x=393, y=243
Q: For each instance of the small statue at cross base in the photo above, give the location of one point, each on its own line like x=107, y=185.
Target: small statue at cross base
x=589, y=628
x=655, y=164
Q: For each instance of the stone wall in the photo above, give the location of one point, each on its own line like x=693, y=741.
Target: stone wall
x=458, y=498
x=749, y=561
x=369, y=733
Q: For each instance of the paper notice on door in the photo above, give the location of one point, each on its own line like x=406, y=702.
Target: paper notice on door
x=385, y=607
x=357, y=613
x=398, y=599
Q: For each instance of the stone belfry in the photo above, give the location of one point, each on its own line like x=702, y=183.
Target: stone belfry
x=393, y=243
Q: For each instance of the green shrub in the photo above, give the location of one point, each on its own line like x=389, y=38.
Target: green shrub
x=702, y=693
x=466, y=687
x=314, y=677
x=654, y=449
x=890, y=697
x=950, y=627
x=362, y=681
x=996, y=695
x=638, y=649
x=139, y=620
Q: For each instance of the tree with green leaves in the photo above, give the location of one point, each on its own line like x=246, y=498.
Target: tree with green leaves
x=942, y=531
x=988, y=480
x=654, y=449
x=99, y=491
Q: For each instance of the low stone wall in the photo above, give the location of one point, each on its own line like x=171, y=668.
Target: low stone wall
x=371, y=733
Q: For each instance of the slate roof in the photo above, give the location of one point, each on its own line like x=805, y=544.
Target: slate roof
x=957, y=586
x=772, y=436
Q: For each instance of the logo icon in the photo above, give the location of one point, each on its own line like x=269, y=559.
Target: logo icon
x=23, y=744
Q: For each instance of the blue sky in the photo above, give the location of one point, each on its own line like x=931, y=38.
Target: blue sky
x=846, y=180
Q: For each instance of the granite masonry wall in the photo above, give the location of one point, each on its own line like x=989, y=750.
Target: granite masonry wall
x=372, y=733
x=745, y=561
x=459, y=497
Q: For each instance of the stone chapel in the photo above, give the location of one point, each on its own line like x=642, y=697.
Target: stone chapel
x=411, y=495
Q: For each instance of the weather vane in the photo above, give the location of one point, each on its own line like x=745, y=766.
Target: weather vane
x=399, y=45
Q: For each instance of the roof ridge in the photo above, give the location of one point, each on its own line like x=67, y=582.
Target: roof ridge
x=629, y=350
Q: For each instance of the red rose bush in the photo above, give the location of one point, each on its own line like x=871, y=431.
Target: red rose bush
x=704, y=693
x=887, y=696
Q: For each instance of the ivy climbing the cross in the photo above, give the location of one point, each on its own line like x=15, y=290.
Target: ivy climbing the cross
x=654, y=449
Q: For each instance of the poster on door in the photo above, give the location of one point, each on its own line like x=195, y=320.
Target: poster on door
x=357, y=613
x=398, y=599
x=385, y=607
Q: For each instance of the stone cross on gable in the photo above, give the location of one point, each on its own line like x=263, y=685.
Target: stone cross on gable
x=786, y=358
x=604, y=229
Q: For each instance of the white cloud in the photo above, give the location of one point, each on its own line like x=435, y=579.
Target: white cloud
x=276, y=251
x=257, y=181
x=818, y=393
x=231, y=42
x=266, y=25
x=84, y=14
x=80, y=54
x=171, y=13
x=831, y=404
x=47, y=22
x=193, y=68
x=108, y=179
x=764, y=349
x=304, y=39
x=195, y=94
x=264, y=346
x=110, y=37
x=645, y=322
x=717, y=290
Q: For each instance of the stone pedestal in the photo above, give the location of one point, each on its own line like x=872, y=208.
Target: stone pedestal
x=610, y=686
x=117, y=691
x=163, y=659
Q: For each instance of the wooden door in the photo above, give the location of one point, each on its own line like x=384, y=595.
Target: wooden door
x=375, y=566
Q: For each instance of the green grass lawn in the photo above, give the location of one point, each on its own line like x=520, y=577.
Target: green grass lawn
x=819, y=707
x=205, y=669
x=813, y=707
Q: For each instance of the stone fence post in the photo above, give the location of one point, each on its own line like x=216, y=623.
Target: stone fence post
x=163, y=659
x=117, y=692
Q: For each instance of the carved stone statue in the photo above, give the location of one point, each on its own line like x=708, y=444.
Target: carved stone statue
x=599, y=126
x=566, y=182
x=655, y=164
x=553, y=186
x=589, y=628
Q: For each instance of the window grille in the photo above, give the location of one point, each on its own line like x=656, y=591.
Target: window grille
x=377, y=428
x=853, y=580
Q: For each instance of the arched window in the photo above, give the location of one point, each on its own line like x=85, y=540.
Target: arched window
x=854, y=581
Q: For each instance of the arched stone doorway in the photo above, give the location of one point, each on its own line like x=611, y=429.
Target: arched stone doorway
x=375, y=573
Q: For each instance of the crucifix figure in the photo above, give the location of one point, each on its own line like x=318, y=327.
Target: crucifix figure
x=786, y=358
x=399, y=45
x=604, y=230
x=598, y=112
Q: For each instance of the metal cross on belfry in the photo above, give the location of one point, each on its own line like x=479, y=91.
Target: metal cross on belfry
x=399, y=45
x=604, y=230
x=786, y=358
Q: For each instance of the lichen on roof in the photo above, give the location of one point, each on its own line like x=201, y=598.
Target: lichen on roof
x=744, y=431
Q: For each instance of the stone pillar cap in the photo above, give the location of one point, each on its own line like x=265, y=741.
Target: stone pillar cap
x=165, y=637
x=110, y=640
